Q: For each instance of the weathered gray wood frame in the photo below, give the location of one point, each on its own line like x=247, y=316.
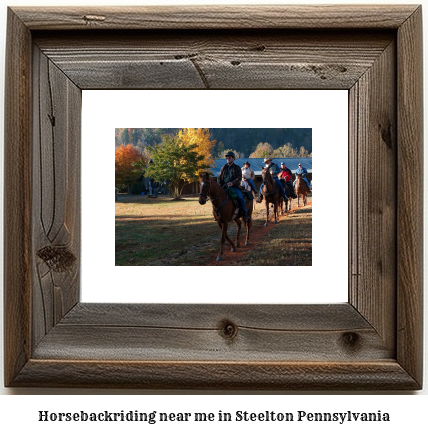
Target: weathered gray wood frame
x=372, y=342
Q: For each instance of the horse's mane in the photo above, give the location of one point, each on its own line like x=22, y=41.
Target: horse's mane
x=300, y=181
x=214, y=186
x=269, y=178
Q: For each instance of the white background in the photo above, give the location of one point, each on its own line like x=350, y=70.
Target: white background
x=20, y=412
x=326, y=112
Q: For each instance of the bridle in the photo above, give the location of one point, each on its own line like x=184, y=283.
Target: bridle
x=209, y=188
x=264, y=172
x=207, y=196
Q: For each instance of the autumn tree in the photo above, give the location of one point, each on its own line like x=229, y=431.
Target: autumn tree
x=175, y=162
x=303, y=153
x=204, y=145
x=263, y=150
x=237, y=154
x=285, y=151
x=129, y=165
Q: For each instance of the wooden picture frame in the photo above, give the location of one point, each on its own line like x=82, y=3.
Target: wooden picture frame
x=372, y=342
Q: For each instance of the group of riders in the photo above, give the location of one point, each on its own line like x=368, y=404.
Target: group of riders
x=233, y=176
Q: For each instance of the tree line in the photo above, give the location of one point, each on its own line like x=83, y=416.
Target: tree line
x=243, y=140
x=179, y=155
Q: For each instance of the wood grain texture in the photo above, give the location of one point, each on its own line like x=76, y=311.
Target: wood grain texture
x=410, y=193
x=56, y=194
x=17, y=197
x=372, y=342
x=217, y=17
x=373, y=162
x=198, y=332
x=386, y=375
x=216, y=60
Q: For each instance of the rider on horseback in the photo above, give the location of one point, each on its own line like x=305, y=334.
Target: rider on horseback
x=301, y=170
x=285, y=175
x=249, y=175
x=273, y=169
x=230, y=175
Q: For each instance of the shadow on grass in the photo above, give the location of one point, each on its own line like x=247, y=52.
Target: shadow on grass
x=289, y=243
x=190, y=237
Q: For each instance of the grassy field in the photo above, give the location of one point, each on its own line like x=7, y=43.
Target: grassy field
x=166, y=232
x=288, y=243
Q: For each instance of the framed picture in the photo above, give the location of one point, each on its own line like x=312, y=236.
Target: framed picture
x=372, y=341
x=162, y=233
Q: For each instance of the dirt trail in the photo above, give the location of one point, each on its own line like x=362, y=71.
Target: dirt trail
x=257, y=232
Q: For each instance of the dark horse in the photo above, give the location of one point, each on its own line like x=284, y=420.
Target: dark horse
x=271, y=193
x=301, y=189
x=289, y=191
x=224, y=211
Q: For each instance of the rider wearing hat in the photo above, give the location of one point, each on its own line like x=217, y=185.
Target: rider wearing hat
x=273, y=169
x=230, y=175
x=249, y=175
x=302, y=171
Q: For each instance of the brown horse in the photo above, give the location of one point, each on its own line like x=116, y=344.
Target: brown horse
x=272, y=194
x=289, y=190
x=224, y=211
x=301, y=189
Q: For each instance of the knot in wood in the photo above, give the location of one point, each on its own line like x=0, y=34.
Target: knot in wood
x=351, y=340
x=94, y=18
x=58, y=259
x=228, y=330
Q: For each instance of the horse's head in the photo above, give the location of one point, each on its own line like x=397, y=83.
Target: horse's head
x=266, y=176
x=204, y=190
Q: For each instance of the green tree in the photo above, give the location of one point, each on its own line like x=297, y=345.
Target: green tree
x=175, y=162
x=125, y=137
x=134, y=136
x=220, y=148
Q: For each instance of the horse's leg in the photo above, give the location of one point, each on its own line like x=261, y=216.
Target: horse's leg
x=267, y=211
x=238, y=232
x=275, y=211
x=223, y=237
x=248, y=227
x=229, y=240
x=249, y=224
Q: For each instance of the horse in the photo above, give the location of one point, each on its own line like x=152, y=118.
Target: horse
x=271, y=193
x=301, y=189
x=224, y=211
x=289, y=190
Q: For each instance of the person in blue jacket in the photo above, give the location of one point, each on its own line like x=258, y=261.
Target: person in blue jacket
x=274, y=170
x=301, y=170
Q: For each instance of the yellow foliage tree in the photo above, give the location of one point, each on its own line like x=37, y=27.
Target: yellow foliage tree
x=204, y=145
